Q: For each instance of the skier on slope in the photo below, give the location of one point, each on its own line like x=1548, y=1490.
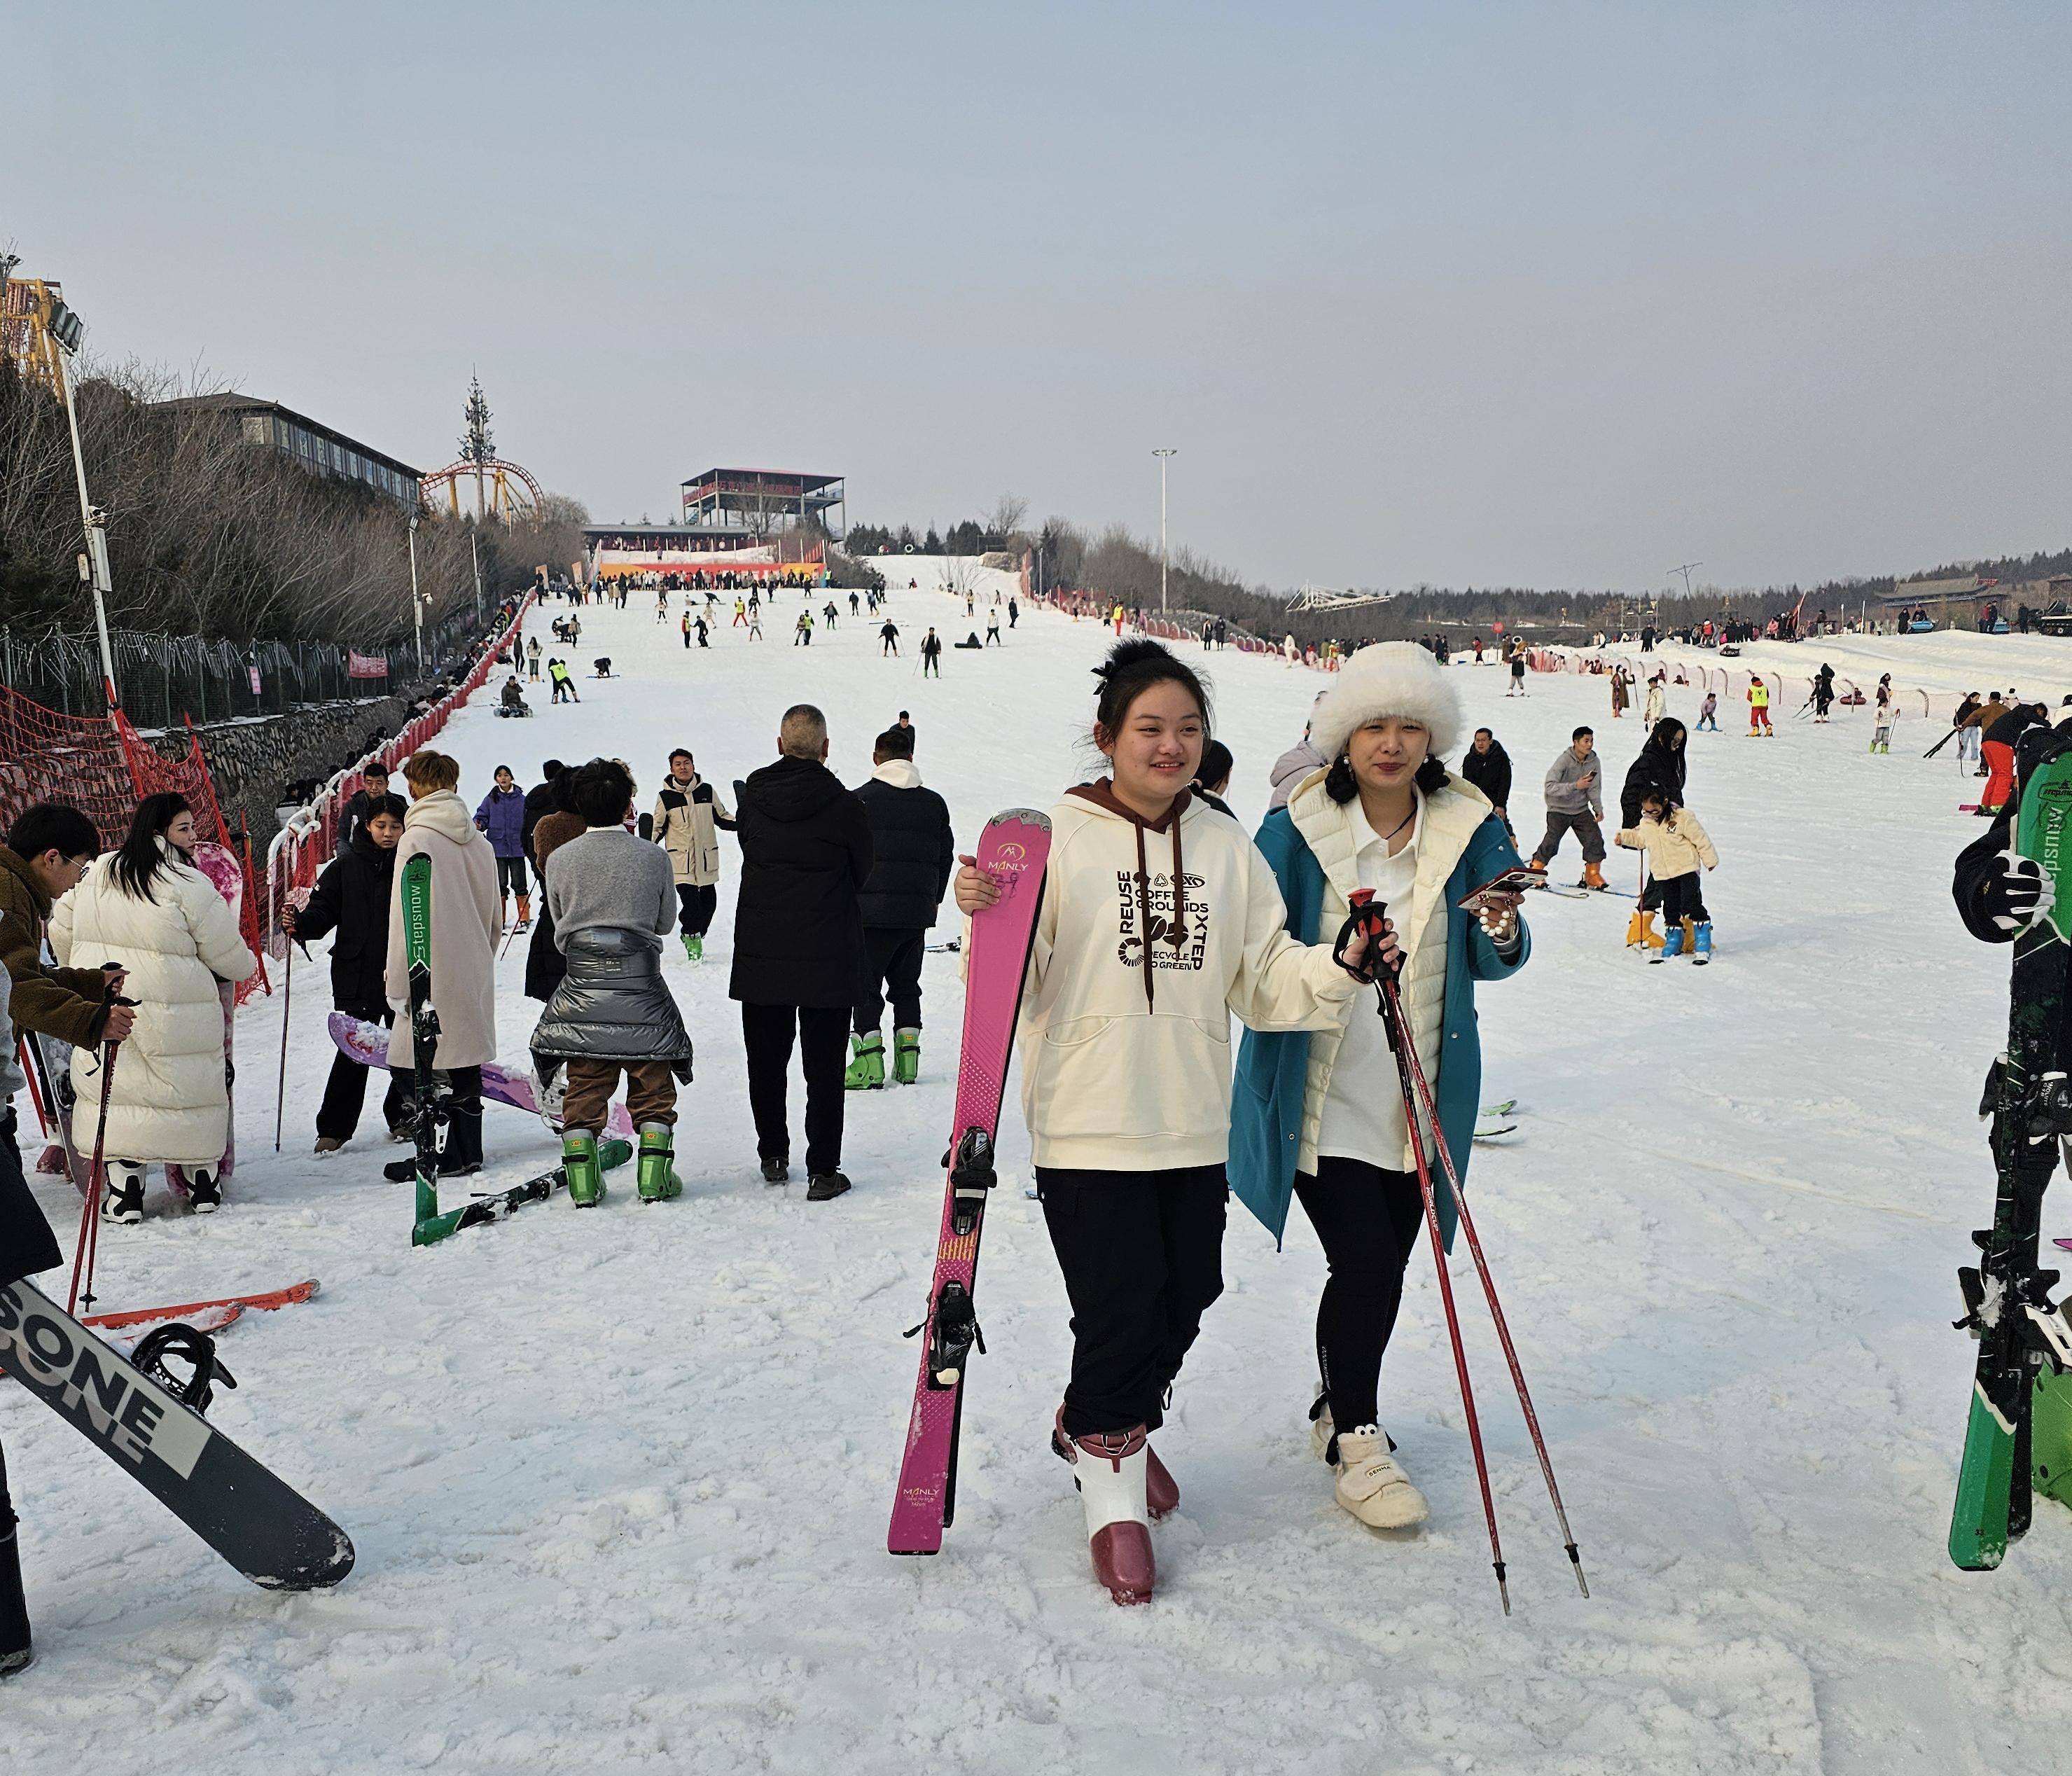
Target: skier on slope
x=689, y=818
x=1677, y=847
x=352, y=898
x=1574, y=805
x=148, y=907
x=609, y=895
x=1159, y=919
x=931, y=654
x=500, y=818
x=913, y=853
x=1317, y=1117
x=27, y=1246
x=1824, y=691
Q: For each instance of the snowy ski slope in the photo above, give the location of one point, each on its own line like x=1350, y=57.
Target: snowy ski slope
x=619, y=1480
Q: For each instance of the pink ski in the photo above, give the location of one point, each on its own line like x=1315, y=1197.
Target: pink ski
x=1014, y=850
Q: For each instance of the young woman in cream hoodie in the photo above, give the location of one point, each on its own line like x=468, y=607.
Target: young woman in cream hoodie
x=1159, y=920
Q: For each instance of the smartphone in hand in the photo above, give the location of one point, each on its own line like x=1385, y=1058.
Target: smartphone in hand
x=1514, y=880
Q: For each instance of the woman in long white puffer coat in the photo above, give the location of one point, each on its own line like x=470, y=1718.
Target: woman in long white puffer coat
x=148, y=909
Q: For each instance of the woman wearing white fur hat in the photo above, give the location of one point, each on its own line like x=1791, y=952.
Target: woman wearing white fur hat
x=1320, y=1116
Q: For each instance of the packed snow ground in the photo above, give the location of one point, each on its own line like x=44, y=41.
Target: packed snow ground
x=619, y=1480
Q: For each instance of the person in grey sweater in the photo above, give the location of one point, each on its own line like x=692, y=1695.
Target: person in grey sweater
x=612, y=896
x=1575, y=804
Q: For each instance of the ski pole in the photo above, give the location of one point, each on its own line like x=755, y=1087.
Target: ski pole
x=1363, y=903
x=287, y=1006
x=1416, y=1069
x=89, y=1248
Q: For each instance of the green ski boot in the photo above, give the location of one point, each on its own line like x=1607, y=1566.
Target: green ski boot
x=866, y=1069
x=906, y=1055
x=694, y=947
x=656, y=1179
x=580, y=1167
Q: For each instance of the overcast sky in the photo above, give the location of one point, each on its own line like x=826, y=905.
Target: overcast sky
x=1548, y=294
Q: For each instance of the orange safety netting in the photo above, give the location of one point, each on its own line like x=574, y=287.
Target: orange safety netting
x=104, y=767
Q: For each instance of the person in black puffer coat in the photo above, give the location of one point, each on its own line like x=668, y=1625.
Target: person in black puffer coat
x=915, y=853
x=540, y=802
x=798, y=942
x=1659, y=769
x=1487, y=765
x=351, y=900
x=557, y=824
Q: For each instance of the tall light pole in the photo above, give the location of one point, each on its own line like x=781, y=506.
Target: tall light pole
x=62, y=332
x=416, y=603
x=1164, y=554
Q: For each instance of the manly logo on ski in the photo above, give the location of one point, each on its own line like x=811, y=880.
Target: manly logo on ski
x=85, y=1382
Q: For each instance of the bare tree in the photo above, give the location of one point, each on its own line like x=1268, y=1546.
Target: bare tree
x=1006, y=517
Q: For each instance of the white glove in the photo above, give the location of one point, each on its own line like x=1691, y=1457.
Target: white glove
x=2019, y=894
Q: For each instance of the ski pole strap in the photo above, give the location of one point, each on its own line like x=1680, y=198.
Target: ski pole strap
x=1365, y=919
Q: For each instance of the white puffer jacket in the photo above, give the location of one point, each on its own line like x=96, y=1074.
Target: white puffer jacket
x=169, y=1101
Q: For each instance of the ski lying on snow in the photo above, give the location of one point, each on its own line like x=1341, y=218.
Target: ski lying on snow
x=489, y=1206
x=1014, y=851
x=243, y=1510
x=267, y=1302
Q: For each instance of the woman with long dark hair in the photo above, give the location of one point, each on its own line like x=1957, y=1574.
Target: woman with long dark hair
x=1159, y=920
x=147, y=907
x=1320, y=1116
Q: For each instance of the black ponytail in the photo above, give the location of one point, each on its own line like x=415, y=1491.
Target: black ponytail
x=1131, y=669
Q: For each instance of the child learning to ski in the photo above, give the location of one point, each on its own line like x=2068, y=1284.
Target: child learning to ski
x=612, y=898
x=1159, y=919
x=1676, y=847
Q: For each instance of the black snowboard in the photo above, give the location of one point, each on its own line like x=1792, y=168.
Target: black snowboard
x=247, y=1513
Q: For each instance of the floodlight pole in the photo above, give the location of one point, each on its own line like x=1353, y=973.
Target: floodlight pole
x=91, y=517
x=1165, y=555
x=416, y=603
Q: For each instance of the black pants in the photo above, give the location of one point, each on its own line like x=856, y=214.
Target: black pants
x=345, y=1091
x=1683, y=898
x=695, y=908
x=823, y=1034
x=463, y=1139
x=894, y=964
x=1142, y=1254
x=1368, y=1221
x=510, y=877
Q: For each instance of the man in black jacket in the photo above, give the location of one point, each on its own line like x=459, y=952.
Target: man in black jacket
x=539, y=803
x=351, y=898
x=915, y=853
x=798, y=942
x=1487, y=765
x=373, y=787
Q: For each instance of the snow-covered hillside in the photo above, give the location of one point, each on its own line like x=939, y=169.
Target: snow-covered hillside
x=619, y=1480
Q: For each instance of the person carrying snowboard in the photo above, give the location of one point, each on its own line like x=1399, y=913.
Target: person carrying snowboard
x=610, y=894
x=466, y=921
x=689, y=818
x=1676, y=848
x=147, y=907
x=1159, y=920
x=351, y=900
x=500, y=818
x=1317, y=1116
x=913, y=853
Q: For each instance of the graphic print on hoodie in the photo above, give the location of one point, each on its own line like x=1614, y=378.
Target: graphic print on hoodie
x=1175, y=942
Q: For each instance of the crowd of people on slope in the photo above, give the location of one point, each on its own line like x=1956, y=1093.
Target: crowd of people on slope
x=1127, y=1091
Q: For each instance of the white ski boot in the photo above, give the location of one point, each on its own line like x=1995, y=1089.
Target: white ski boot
x=1109, y=1470
x=1371, y=1484
x=125, y=1200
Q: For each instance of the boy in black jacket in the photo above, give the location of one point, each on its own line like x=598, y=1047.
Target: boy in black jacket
x=351, y=898
x=913, y=853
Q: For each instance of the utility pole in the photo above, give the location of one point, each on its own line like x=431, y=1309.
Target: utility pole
x=416, y=603
x=62, y=332
x=1685, y=570
x=1165, y=555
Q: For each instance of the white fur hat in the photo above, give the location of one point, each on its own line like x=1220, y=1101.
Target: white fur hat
x=1397, y=678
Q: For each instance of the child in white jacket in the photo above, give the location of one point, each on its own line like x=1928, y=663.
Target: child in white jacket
x=1676, y=848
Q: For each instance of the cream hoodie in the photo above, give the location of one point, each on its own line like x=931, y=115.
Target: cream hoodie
x=1121, y=1074
x=1674, y=847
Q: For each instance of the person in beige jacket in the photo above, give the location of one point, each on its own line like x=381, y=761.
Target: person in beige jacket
x=1677, y=847
x=689, y=819
x=467, y=918
x=1159, y=920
